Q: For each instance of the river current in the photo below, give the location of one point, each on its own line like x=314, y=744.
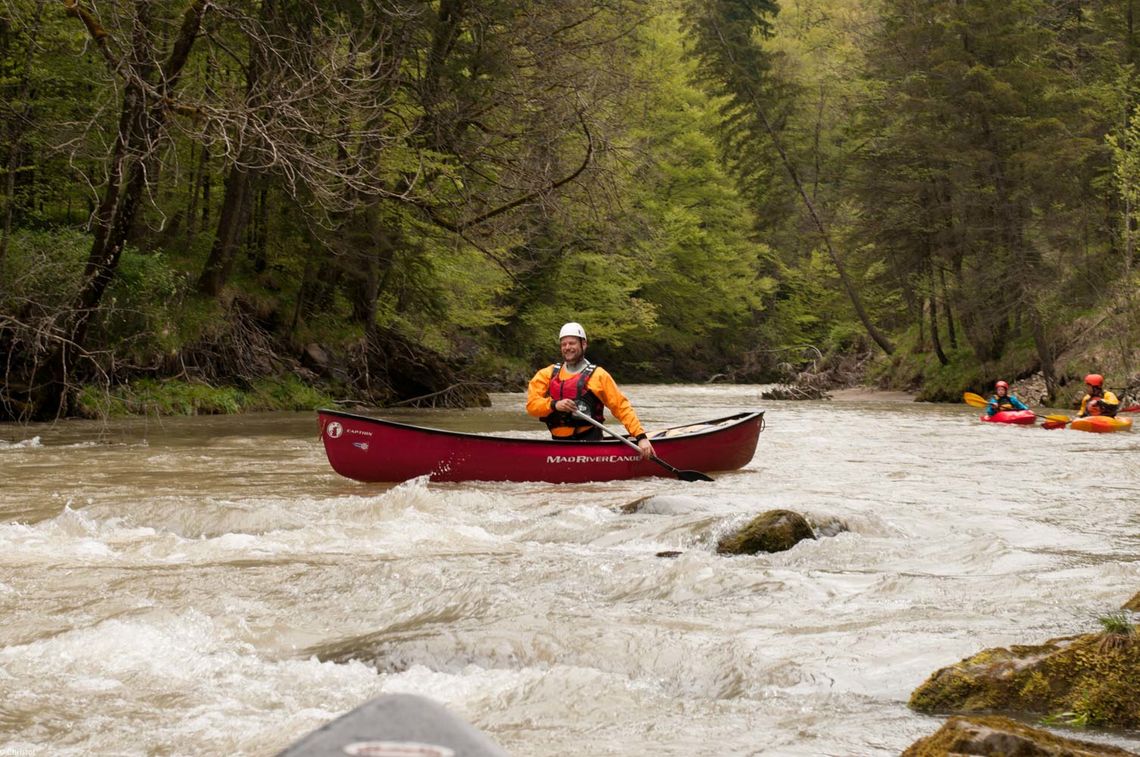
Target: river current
x=210, y=586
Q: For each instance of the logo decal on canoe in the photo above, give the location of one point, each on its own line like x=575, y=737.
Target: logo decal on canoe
x=334, y=430
x=554, y=459
x=361, y=445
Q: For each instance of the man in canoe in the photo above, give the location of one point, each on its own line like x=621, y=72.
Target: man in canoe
x=556, y=390
x=1003, y=400
x=1096, y=400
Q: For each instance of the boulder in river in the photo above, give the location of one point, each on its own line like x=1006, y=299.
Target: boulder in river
x=995, y=736
x=1088, y=680
x=772, y=531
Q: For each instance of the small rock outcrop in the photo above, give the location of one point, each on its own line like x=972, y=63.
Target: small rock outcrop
x=316, y=359
x=661, y=504
x=1087, y=680
x=995, y=736
x=773, y=531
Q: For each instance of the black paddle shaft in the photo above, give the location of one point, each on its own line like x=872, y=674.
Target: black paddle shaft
x=684, y=475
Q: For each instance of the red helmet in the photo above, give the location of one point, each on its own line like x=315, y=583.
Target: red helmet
x=1094, y=379
x=1001, y=385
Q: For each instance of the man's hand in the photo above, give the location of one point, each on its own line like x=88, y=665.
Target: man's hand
x=565, y=406
x=646, y=449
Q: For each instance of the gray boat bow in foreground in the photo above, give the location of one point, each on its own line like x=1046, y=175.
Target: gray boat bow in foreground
x=396, y=725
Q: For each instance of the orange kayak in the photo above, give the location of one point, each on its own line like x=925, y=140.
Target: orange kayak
x=1101, y=424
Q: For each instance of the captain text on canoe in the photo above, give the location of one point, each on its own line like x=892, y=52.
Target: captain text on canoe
x=555, y=391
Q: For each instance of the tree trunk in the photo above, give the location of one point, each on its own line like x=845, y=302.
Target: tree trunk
x=141, y=122
x=934, y=337
x=219, y=263
x=950, y=332
x=259, y=231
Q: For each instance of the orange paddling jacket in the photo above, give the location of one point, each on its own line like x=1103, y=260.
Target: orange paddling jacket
x=600, y=389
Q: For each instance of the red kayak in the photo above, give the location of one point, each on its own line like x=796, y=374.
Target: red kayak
x=371, y=449
x=1018, y=417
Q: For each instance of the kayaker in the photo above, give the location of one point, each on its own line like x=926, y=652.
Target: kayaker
x=555, y=390
x=1096, y=400
x=1003, y=400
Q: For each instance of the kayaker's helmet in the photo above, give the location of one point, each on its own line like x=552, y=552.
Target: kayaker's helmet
x=572, y=329
x=1001, y=385
x=1094, y=379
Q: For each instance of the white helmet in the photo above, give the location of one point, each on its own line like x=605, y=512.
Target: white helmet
x=572, y=329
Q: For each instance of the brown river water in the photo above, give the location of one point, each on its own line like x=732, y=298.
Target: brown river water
x=210, y=586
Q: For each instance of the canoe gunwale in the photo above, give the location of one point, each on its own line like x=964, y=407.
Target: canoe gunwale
x=715, y=426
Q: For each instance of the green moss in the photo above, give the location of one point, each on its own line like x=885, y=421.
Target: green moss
x=772, y=531
x=1084, y=678
x=1035, y=688
x=996, y=735
x=954, y=689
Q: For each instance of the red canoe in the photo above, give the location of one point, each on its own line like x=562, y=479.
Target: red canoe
x=1018, y=417
x=370, y=449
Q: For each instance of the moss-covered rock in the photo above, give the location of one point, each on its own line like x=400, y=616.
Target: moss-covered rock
x=773, y=531
x=1001, y=737
x=1089, y=679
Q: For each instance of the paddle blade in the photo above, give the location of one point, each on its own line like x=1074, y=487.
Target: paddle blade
x=692, y=475
x=1062, y=419
x=974, y=400
x=1054, y=424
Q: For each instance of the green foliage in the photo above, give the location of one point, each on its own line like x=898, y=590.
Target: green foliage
x=150, y=397
x=1067, y=719
x=43, y=269
x=1117, y=623
x=146, y=311
x=974, y=160
x=284, y=393
x=980, y=160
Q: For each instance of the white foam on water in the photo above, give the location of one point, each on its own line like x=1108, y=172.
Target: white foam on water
x=228, y=597
x=22, y=444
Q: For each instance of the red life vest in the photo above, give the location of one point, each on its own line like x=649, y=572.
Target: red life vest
x=573, y=387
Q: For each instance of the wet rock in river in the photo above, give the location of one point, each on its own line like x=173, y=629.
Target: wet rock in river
x=1133, y=604
x=828, y=526
x=996, y=736
x=773, y=531
x=1088, y=680
x=662, y=505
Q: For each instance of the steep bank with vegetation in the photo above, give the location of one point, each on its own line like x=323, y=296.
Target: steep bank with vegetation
x=230, y=205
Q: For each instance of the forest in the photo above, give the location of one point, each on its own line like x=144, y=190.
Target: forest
x=217, y=205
